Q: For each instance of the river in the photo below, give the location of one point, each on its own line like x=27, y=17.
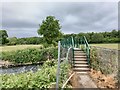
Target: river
x=19, y=69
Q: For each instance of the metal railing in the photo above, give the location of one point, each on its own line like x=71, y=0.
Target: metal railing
x=81, y=43
x=86, y=48
x=66, y=47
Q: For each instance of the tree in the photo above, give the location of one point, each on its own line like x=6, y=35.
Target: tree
x=3, y=37
x=114, y=33
x=12, y=41
x=97, y=38
x=50, y=30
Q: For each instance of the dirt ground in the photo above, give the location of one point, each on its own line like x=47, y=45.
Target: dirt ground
x=103, y=81
x=81, y=81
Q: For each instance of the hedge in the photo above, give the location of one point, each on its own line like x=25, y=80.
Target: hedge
x=30, y=55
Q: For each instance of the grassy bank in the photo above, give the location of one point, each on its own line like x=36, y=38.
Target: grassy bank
x=17, y=47
x=111, y=46
x=31, y=55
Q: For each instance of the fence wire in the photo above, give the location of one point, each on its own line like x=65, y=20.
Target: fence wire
x=65, y=55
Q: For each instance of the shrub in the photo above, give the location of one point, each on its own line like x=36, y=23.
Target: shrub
x=45, y=78
x=94, y=62
x=30, y=55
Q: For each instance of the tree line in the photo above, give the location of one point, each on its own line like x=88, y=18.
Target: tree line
x=50, y=30
x=101, y=37
x=19, y=41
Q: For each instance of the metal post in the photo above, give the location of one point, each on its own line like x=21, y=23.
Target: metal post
x=58, y=67
x=72, y=42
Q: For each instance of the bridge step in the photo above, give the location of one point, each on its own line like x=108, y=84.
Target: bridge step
x=81, y=69
x=82, y=56
x=79, y=54
x=80, y=59
x=77, y=49
x=81, y=65
x=83, y=72
x=80, y=62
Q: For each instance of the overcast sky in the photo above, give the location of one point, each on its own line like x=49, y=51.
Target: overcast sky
x=22, y=19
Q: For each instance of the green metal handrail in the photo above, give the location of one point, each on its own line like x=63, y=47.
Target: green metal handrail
x=77, y=43
x=87, y=49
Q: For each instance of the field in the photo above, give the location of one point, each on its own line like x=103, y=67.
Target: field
x=111, y=46
x=17, y=47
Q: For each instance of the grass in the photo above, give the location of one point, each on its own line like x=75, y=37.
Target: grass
x=111, y=46
x=17, y=47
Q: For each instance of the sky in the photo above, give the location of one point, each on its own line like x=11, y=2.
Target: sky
x=22, y=19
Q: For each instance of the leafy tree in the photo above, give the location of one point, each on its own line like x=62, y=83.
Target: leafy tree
x=97, y=38
x=12, y=41
x=114, y=33
x=50, y=30
x=3, y=37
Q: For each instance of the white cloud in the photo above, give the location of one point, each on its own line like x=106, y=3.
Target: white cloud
x=60, y=0
x=70, y=20
x=74, y=17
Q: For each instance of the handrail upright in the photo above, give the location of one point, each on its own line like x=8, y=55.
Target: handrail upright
x=87, y=49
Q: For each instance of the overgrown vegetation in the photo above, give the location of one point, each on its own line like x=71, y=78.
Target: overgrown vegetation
x=96, y=64
x=30, y=55
x=44, y=78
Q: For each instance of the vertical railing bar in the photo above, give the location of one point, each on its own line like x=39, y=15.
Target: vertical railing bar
x=58, y=67
x=87, y=49
x=73, y=57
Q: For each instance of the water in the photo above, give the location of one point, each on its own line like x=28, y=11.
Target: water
x=19, y=69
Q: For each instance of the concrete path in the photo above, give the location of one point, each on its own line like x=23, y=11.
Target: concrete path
x=87, y=82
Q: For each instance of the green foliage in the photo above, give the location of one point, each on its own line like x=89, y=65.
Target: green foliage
x=12, y=41
x=3, y=37
x=50, y=29
x=30, y=55
x=94, y=62
x=29, y=40
x=97, y=37
x=44, y=78
x=64, y=69
x=101, y=37
x=114, y=34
